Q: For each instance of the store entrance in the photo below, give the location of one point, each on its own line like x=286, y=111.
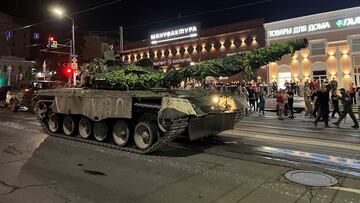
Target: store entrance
x=321, y=76
x=284, y=75
x=283, y=78
x=319, y=71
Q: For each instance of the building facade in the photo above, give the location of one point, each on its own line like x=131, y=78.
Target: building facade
x=333, y=52
x=186, y=45
x=14, y=43
x=94, y=46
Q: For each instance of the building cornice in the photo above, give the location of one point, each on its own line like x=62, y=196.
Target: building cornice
x=194, y=40
x=343, y=13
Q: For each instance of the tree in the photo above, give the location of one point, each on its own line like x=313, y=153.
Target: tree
x=139, y=77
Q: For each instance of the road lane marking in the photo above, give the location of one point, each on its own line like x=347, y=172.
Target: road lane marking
x=353, y=190
x=296, y=140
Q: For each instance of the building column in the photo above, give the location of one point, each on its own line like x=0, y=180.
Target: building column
x=339, y=67
x=301, y=71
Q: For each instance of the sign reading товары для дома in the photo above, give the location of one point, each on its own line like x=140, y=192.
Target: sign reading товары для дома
x=176, y=33
x=315, y=27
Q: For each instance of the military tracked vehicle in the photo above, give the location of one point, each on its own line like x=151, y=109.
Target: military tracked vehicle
x=128, y=108
x=137, y=121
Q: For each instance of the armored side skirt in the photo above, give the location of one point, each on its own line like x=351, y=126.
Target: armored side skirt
x=210, y=124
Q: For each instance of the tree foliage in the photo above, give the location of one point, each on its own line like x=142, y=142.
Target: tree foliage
x=134, y=76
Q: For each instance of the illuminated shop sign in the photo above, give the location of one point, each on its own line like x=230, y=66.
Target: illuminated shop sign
x=300, y=29
x=315, y=27
x=347, y=22
x=173, y=62
x=182, y=32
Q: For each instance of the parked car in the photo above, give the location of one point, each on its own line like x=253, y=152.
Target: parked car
x=271, y=103
x=26, y=97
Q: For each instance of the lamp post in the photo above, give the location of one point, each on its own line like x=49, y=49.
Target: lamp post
x=60, y=13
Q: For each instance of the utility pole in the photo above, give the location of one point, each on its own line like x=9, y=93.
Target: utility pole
x=121, y=35
x=9, y=75
x=70, y=57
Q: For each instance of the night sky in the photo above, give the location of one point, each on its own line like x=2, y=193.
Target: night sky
x=138, y=17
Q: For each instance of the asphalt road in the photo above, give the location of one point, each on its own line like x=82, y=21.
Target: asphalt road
x=246, y=164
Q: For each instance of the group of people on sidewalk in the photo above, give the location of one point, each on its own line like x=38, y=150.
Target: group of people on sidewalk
x=320, y=97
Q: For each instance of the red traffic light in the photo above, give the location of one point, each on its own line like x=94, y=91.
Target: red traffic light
x=51, y=38
x=67, y=70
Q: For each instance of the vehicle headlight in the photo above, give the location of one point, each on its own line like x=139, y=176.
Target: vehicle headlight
x=215, y=99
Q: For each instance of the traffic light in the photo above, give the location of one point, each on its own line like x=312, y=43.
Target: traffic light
x=68, y=71
x=52, y=43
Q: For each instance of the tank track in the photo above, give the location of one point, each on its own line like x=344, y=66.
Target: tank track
x=176, y=129
x=239, y=116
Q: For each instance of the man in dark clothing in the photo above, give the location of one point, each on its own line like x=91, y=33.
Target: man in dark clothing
x=346, y=101
x=251, y=98
x=315, y=103
x=274, y=87
x=322, y=98
x=291, y=103
x=335, y=103
x=334, y=84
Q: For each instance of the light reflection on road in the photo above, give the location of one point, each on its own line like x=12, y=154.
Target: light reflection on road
x=314, y=157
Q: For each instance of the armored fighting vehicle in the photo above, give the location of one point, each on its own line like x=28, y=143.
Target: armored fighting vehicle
x=131, y=107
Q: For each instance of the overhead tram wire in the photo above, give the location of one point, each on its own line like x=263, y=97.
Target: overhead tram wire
x=95, y=7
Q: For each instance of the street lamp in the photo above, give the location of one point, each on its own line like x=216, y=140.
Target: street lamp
x=60, y=13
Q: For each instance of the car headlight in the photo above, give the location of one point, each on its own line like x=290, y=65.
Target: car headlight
x=215, y=99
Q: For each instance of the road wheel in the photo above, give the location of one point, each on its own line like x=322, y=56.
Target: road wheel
x=14, y=106
x=121, y=133
x=41, y=110
x=34, y=101
x=69, y=127
x=144, y=135
x=85, y=128
x=10, y=103
x=101, y=131
x=53, y=123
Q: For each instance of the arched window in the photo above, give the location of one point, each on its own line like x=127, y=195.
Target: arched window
x=284, y=75
x=319, y=71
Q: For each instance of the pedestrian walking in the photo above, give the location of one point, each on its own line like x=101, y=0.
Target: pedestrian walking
x=290, y=95
x=280, y=104
x=335, y=103
x=274, y=86
x=307, y=98
x=252, y=97
x=322, y=99
x=262, y=98
x=333, y=84
x=245, y=95
x=357, y=96
x=346, y=101
x=286, y=102
x=257, y=96
x=352, y=91
x=314, y=102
